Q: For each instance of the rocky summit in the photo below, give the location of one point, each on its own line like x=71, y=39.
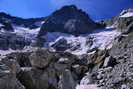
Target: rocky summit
x=71, y=20
x=66, y=50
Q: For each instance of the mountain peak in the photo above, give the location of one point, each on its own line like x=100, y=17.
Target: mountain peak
x=70, y=7
x=70, y=10
x=69, y=19
x=5, y=15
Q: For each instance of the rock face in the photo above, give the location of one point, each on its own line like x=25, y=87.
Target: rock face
x=70, y=20
x=61, y=45
x=122, y=45
x=6, y=26
x=121, y=21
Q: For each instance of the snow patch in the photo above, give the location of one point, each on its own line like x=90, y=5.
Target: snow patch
x=103, y=38
x=128, y=14
x=5, y=52
x=1, y=25
x=26, y=32
x=39, y=23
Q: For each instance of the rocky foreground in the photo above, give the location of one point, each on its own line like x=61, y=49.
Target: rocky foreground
x=66, y=50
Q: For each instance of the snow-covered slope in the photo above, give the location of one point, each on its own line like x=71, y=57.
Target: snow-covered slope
x=102, y=39
x=128, y=14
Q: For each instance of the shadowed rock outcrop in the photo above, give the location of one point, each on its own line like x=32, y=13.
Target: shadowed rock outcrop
x=13, y=41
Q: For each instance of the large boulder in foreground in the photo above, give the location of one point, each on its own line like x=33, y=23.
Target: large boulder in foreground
x=8, y=70
x=46, y=69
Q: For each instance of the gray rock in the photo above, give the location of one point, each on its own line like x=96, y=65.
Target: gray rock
x=67, y=80
x=8, y=78
x=61, y=45
x=128, y=29
x=87, y=80
x=123, y=23
x=22, y=58
x=12, y=64
x=38, y=79
x=109, y=62
x=46, y=69
x=124, y=86
x=41, y=58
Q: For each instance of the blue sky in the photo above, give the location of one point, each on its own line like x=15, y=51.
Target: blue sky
x=97, y=9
